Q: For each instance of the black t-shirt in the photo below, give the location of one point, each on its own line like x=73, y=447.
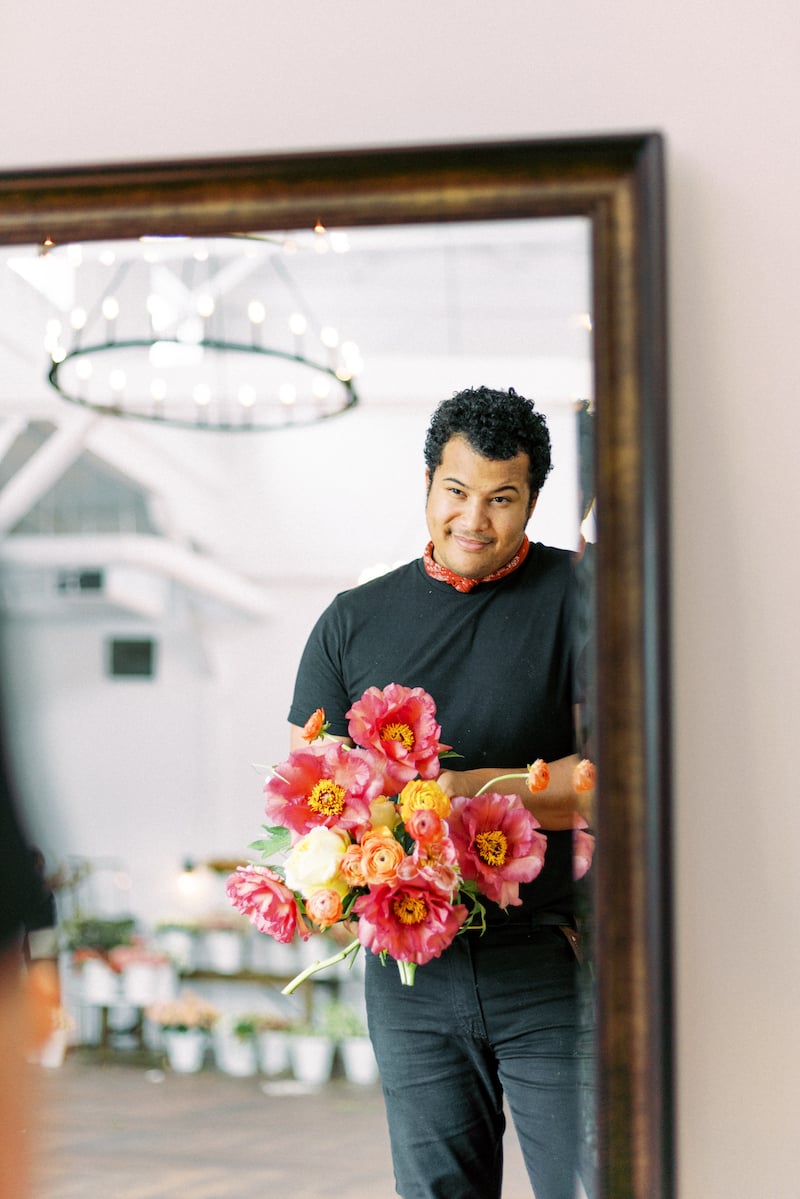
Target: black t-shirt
x=498, y=662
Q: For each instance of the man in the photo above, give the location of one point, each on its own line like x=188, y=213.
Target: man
x=484, y=622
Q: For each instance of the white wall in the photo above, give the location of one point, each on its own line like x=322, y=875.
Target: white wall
x=99, y=80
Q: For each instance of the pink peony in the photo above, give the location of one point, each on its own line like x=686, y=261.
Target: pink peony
x=399, y=724
x=260, y=894
x=582, y=847
x=327, y=785
x=412, y=922
x=497, y=843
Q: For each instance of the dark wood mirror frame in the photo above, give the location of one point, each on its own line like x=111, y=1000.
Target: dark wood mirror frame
x=617, y=182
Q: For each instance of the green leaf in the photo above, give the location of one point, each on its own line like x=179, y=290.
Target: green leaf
x=277, y=840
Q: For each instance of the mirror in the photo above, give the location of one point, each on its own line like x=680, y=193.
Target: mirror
x=611, y=190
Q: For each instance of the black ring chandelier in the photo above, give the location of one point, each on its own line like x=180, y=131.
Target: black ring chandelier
x=171, y=337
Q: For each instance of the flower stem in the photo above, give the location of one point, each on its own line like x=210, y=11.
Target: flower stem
x=320, y=965
x=500, y=778
x=407, y=972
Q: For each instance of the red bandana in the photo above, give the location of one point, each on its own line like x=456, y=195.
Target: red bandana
x=436, y=571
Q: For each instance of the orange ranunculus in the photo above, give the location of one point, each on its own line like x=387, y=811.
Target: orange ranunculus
x=538, y=776
x=583, y=776
x=315, y=726
x=351, y=868
x=324, y=907
x=380, y=857
x=421, y=793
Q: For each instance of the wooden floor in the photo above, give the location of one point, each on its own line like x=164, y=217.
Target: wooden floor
x=114, y=1130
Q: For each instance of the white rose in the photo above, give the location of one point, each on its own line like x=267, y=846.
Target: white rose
x=314, y=862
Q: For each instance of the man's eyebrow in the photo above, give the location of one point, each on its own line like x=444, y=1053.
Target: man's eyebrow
x=494, y=490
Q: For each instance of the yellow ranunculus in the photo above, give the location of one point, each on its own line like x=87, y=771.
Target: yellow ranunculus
x=423, y=793
x=383, y=813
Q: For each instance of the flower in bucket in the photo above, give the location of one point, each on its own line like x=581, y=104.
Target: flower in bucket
x=188, y=1011
x=366, y=835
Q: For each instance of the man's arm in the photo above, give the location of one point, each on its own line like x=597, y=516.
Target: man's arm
x=554, y=807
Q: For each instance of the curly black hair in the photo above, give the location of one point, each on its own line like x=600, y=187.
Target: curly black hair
x=497, y=424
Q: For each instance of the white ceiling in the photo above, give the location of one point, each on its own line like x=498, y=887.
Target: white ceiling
x=431, y=308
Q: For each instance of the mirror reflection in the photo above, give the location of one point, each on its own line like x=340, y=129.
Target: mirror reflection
x=161, y=574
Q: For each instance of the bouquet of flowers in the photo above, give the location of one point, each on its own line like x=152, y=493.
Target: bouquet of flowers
x=365, y=834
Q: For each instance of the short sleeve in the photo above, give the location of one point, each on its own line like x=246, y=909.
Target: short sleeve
x=320, y=679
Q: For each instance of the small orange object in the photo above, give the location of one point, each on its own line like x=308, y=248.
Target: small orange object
x=538, y=776
x=315, y=725
x=583, y=776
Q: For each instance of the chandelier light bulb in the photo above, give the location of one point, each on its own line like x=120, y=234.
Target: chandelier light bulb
x=202, y=395
x=329, y=337
x=108, y=257
x=83, y=368
x=298, y=324
x=190, y=331
x=256, y=312
x=58, y=354
x=159, y=311
x=351, y=356
x=247, y=395
x=77, y=318
x=158, y=389
x=205, y=304
x=110, y=308
x=287, y=394
x=116, y=380
x=321, y=387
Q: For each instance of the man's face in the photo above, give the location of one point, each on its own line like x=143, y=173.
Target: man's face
x=477, y=509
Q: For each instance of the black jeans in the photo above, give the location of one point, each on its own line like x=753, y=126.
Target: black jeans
x=492, y=1016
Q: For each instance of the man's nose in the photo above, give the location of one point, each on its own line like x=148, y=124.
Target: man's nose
x=476, y=514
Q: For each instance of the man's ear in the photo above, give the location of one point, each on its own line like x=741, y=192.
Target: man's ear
x=532, y=505
x=427, y=480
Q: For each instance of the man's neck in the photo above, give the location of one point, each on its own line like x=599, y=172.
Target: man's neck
x=460, y=582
